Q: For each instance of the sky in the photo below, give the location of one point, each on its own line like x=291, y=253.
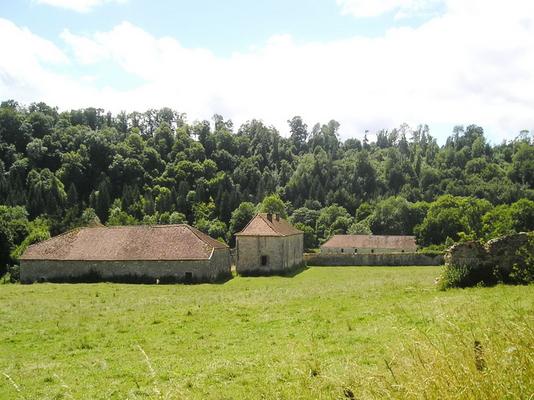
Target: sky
x=369, y=64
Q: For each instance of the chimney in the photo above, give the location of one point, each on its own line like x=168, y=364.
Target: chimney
x=277, y=216
x=270, y=217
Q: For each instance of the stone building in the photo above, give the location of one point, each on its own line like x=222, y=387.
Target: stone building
x=268, y=245
x=362, y=244
x=168, y=253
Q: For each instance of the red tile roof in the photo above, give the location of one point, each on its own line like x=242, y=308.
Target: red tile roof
x=261, y=225
x=121, y=243
x=372, y=242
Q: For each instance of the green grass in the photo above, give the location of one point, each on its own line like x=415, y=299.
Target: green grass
x=327, y=333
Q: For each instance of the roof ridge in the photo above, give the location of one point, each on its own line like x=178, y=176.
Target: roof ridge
x=263, y=216
x=202, y=236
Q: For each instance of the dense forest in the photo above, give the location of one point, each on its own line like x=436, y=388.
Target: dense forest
x=60, y=170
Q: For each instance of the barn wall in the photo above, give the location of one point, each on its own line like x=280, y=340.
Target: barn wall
x=126, y=271
x=283, y=253
x=350, y=250
x=398, y=259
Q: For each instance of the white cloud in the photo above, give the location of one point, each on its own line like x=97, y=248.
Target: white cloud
x=82, y=6
x=473, y=64
x=373, y=8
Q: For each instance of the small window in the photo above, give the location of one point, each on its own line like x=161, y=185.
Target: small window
x=263, y=260
x=355, y=251
x=342, y=250
x=188, y=277
x=402, y=251
x=372, y=250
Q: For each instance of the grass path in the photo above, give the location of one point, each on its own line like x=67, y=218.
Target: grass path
x=327, y=333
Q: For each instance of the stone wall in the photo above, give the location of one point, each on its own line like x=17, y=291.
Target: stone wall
x=502, y=251
x=472, y=254
x=360, y=250
x=385, y=259
x=127, y=271
x=283, y=253
x=504, y=259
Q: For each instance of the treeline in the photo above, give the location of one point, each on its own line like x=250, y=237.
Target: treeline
x=61, y=170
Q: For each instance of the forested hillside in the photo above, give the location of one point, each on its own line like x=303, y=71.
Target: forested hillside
x=59, y=170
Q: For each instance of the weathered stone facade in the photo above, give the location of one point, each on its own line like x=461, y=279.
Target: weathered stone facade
x=164, y=253
x=369, y=244
x=502, y=251
x=268, y=245
x=504, y=259
x=146, y=271
x=471, y=254
x=282, y=253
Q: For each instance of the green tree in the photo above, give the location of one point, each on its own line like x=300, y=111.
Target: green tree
x=241, y=216
x=333, y=220
x=273, y=204
x=449, y=216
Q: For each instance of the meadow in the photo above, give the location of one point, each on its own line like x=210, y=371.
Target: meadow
x=326, y=333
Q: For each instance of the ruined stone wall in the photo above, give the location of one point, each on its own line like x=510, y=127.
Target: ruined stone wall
x=384, y=259
x=127, y=271
x=471, y=254
x=500, y=252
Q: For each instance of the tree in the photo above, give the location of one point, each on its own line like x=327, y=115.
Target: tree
x=273, y=204
x=523, y=165
x=310, y=240
x=304, y=216
x=522, y=215
x=449, y=216
x=299, y=133
x=332, y=220
x=241, y=216
x=13, y=230
x=497, y=222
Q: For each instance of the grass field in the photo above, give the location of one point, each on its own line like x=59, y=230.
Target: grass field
x=327, y=333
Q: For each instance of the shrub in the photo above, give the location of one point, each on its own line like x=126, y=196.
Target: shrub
x=463, y=275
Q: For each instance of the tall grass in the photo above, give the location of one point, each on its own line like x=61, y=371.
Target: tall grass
x=487, y=362
x=326, y=333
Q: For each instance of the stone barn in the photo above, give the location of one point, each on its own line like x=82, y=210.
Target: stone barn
x=268, y=245
x=167, y=253
x=358, y=244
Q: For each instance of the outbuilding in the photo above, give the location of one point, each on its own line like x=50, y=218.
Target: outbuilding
x=159, y=253
x=358, y=244
x=268, y=245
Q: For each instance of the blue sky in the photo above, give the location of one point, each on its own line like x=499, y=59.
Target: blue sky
x=222, y=26
x=370, y=64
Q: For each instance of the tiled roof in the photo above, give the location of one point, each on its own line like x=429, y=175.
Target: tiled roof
x=372, y=242
x=121, y=243
x=262, y=225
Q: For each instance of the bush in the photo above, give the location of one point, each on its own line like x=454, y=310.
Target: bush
x=462, y=276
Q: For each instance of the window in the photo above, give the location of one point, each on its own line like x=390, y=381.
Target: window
x=372, y=250
x=355, y=251
x=188, y=277
x=263, y=260
x=342, y=250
